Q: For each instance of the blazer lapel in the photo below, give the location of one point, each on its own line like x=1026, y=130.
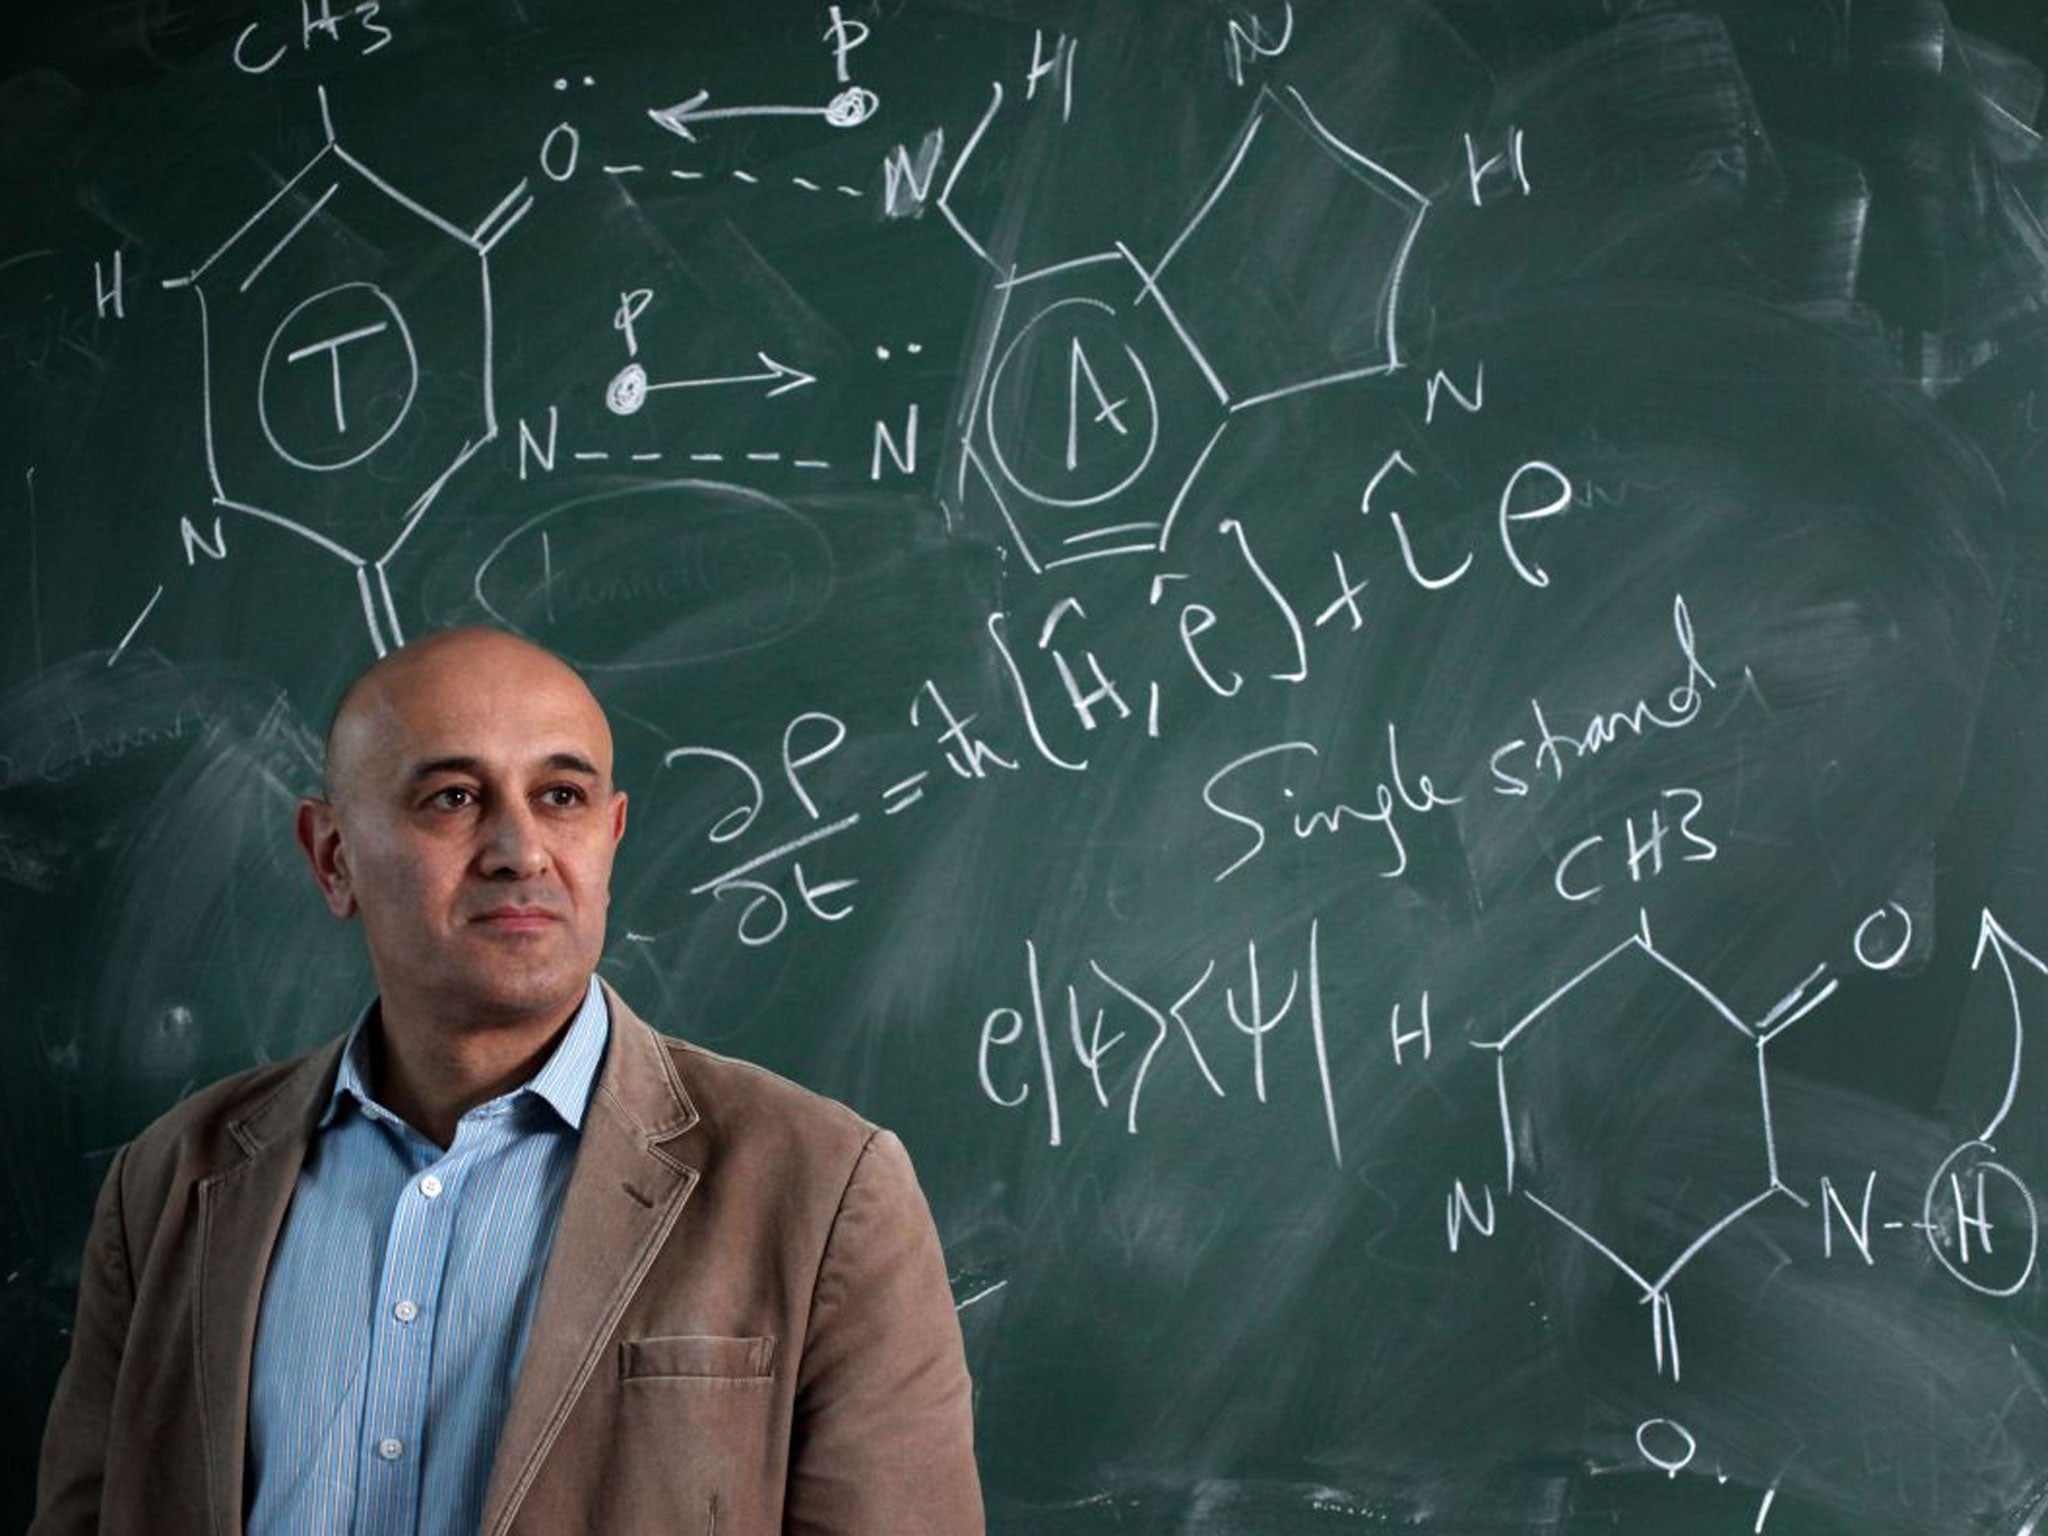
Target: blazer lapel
x=623, y=1199
x=240, y=1211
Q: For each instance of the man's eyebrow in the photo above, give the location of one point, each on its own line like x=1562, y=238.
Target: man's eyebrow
x=439, y=765
x=554, y=762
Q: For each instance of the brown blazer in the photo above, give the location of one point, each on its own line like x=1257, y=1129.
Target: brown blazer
x=745, y=1325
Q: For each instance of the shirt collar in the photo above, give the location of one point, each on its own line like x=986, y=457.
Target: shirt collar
x=564, y=1081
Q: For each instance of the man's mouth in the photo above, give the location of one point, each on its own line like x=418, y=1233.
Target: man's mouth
x=516, y=919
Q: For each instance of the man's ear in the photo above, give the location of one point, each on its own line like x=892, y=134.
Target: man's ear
x=319, y=831
x=618, y=814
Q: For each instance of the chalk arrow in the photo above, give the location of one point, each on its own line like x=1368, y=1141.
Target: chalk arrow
x=1991, y=935
x=851, y=107
x=630, y=386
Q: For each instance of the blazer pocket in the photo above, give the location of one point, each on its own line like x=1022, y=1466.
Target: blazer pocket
x=696, y=1354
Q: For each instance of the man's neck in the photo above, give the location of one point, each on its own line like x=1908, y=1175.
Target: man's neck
x=431, y=1075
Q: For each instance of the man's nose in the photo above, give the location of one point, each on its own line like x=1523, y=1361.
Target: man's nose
x=513, y=848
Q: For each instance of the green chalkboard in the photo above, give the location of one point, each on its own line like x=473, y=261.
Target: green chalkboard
x=1377, y=668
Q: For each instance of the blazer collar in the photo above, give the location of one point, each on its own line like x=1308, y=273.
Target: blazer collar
x=623, y=1198
x=241, y=1207
x=639, y=1077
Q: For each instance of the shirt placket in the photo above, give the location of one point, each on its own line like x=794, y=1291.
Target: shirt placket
x=409, y=1295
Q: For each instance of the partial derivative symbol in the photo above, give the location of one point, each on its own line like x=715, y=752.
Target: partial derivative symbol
x=347, y=363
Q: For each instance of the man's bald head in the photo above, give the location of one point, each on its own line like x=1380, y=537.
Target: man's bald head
x=472, y=661
x=470, y=822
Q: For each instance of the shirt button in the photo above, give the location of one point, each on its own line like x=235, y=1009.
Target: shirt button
x=390, y=1449
x=430, y=1186
x=405, y=1311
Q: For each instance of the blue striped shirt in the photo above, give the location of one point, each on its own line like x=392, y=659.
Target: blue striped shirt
x=396, y=1311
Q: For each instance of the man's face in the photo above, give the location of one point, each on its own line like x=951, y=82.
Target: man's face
x=472, y=825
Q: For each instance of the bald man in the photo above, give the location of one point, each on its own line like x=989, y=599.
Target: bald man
x=501, y=1258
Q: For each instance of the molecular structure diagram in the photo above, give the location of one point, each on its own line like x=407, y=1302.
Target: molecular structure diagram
x=1099, y=373
x=346, y=341
x=1694, y=1017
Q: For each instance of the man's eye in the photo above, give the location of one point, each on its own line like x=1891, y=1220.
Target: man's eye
x=563, y=794
x=453, y=798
